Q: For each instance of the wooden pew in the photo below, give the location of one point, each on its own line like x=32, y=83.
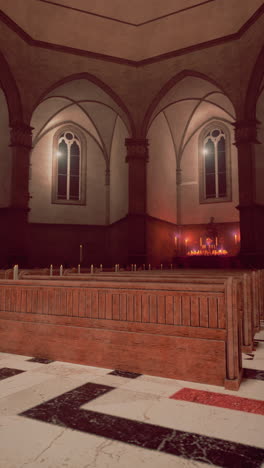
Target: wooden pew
x=183, y=330
x=249, y=302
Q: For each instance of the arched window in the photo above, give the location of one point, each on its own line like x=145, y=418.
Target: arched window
x=214, y=162
x=68, y=167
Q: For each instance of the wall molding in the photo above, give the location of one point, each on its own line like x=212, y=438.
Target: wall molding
x=134, y=63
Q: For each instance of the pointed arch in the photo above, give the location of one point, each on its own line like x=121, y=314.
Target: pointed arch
x=168, y=86
x=254, y=87
x=93, y=79
x=10, y=89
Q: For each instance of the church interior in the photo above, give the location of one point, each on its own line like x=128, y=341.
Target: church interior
x=132, y=233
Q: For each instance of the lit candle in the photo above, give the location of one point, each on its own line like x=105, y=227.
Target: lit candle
x=81, y=253
x=161, y=266
x=116, y=268
x=216, y=241
x=92, y=268
x=144, y=266
x=201, y=242
x=101, y=267
x=15, y=272
x=135, y=267
x=51, y=270
x=236, y=239
x=175, y=240
x=61, y=270
x=171, y=266
x=79, y=269
x=149, y=267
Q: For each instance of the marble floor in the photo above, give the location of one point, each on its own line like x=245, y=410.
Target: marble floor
x=57, y=414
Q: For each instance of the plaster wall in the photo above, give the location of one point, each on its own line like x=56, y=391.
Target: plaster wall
x=5, y=154
x=118, y=173
x=42, y=210
x=161, y=172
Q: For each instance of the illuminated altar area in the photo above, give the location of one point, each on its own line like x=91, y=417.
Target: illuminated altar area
x=210, y=245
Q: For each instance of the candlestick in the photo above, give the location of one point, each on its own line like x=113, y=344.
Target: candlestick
x=61, y=270
x=51, y=270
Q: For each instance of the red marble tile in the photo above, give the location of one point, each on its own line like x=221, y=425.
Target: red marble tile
x=220, y=400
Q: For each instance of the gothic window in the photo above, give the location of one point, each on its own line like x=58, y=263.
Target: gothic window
x=68, y=168
x=214, y=162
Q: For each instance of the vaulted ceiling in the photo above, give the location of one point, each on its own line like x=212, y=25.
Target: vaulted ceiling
x=129, y=29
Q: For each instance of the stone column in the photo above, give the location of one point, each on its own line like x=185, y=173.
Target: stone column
x=251, y=212
x=17, y=235
x=21, y=144
x=137, y=158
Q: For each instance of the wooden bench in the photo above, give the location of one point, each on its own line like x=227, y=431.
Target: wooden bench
x=249, y=301
x=183, y=330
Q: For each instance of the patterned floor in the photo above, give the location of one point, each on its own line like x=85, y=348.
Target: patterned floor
x=55, y=414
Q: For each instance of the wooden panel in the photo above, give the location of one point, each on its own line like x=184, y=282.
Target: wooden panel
x=221, y=313
x=101, y=304
x=17, y=306
x=195, y=320
x=145, y=307
x=116, y=307
x=88, y=301
x=186, y=310
x=109, y=306
x=213, y=319
x=69, y=302
x=94, y=305
x=75, y=302
x=137, y=327
x=175, y=357
x=34, y=301
x=45, y=304
x=123, y=306
x=137, y=308
x=203, y=311
x=161, y=309
x=153, y=312
x=169, y=309
x=63, y=302
x=177, y=310
x=130, y=307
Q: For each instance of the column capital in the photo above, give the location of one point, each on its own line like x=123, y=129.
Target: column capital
x=137, y=148
x=21, y=135
x=246, y=132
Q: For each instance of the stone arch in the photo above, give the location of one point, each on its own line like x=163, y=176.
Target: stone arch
x=168, y=86
x=253, y=87
x=106, y=88
x=11, y=92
